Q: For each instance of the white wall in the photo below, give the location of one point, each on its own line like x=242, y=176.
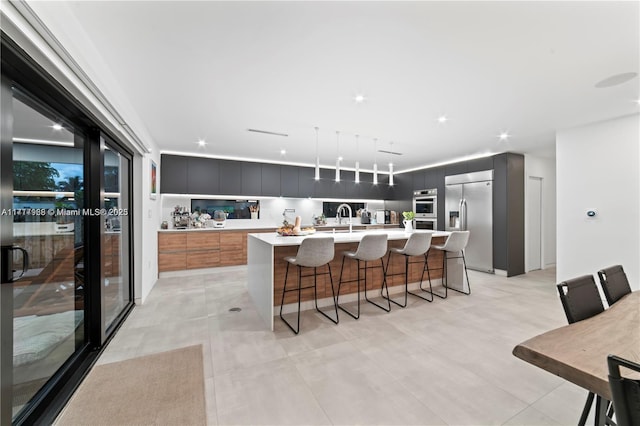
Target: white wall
x=545, y=168
x=598, y=167
x=146, y=232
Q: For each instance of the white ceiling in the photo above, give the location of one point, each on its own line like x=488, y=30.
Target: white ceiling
x=212, y=70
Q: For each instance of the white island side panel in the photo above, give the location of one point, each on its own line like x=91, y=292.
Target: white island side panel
x=260, y=277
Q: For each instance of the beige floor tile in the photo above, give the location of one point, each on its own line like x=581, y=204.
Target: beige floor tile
x=531, y=417
x=272, y=393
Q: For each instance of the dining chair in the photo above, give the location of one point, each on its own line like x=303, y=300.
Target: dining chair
x=581, y=300
x=624, y=391
x=614, y=283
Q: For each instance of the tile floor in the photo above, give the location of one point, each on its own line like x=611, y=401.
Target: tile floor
x=447, y=362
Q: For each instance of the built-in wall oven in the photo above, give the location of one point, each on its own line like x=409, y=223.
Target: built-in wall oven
x=426, y=224
x=425, y=203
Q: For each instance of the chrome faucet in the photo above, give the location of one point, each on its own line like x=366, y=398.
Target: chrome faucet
x=339, y=218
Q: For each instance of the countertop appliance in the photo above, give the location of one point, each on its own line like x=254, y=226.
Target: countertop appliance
x=425, y=203
x=365, y=217
x=387, y=216
x=469, y=206
x=219, y=218
x=380, y=216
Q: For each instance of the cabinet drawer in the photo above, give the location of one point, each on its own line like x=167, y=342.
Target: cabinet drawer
x=172, y=261
x=198, y=240
x=203, y=259
x=172, y=241
x=232, y=257
x=231, y=240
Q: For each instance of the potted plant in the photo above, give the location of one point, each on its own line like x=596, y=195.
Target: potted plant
x=408, y=220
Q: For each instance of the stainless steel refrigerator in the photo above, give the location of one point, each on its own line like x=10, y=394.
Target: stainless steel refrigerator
x=469, y=206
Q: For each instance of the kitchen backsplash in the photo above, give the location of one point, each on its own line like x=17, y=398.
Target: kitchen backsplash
x=271, y=209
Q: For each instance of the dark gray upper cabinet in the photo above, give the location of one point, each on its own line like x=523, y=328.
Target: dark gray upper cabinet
x=456, y=168
x=173, y=174
x=480, y=164
x=363, y=189
x=348, y=178
x=289, y=176
x=417, y=179
x=203, y=176
x=306, y=182
x=251, y=179
x=230, y=177
x=324, y=187
x=271, y=180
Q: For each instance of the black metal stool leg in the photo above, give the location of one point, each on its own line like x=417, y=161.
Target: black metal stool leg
x=284, y=290
x=340, y=285
x=333, y=294
x=406, y=288
x=384, y=284
x=464, y=262
x=430, y=291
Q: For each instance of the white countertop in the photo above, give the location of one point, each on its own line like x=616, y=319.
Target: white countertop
x=274, y=239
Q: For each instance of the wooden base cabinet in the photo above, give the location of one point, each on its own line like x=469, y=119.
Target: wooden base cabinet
x=178, y=251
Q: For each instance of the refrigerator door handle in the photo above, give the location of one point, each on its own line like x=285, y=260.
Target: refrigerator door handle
x=460, y=214
x=463, y=215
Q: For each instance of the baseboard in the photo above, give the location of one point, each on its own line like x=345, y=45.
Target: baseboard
x=500, y=272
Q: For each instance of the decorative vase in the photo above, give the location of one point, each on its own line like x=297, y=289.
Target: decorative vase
x=408, y=225
x=254, y=215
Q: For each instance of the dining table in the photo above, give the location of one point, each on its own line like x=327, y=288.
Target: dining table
x=578, y=352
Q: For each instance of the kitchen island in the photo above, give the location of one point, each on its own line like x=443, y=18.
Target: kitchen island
x=266, y=270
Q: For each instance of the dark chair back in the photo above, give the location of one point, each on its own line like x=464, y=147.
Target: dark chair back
x=624, y=391
x=580, y=298
x=614, y=283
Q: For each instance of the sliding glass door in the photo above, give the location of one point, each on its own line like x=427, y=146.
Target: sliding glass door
x=65, y=234
x=45, y=252
x=115, y=259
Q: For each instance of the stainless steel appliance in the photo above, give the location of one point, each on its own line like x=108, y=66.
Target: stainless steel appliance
x=426, y=224
x=469, y=206
x=425, y=203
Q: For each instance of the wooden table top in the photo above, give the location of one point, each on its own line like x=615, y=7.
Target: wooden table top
x=578, y=352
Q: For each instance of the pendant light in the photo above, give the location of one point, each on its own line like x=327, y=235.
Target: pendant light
x=357, y=162
x=339, y=158
x=317, y=175
x=375, y=163
x=391, y=166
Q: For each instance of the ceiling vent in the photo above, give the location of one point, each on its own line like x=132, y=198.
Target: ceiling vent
x=389, y=152
x=267, y=132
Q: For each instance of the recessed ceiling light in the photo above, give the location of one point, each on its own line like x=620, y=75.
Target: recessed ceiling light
x=359, y=98
x=283, y=152
x=504, y=136
x=340, y=158
x=442, y=119
x=201, y=142
x=57, y=126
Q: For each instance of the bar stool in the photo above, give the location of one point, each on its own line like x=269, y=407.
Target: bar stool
x=418, y=244
x=312, y=253
x=456, y=243
x=372, y=247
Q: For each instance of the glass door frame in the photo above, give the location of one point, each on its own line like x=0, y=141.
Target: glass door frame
x=20, y=70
